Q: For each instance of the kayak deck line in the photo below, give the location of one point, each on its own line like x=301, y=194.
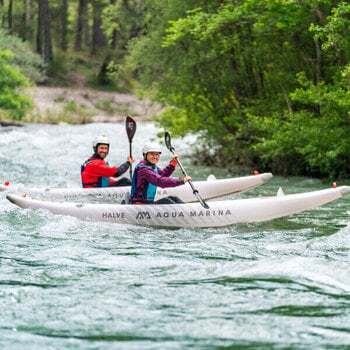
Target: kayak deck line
x=220, y=213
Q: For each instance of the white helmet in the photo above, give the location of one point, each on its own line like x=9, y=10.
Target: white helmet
x=151, y=147
x=98, y=140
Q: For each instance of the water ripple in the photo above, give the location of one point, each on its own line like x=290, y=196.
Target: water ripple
x=68, y=284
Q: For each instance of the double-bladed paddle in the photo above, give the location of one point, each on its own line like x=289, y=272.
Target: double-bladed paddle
x=172, y=150
x=130, y=126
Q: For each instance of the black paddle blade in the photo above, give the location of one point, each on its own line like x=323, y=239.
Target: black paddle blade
x=204, y=204
x=167, y=139
x=130, y=126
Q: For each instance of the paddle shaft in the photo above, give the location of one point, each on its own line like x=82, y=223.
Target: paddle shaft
x=130, y=153
x=130, y=126
x=194, y=190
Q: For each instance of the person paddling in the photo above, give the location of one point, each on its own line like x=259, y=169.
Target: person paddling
x=95, y=172
x=147, y=177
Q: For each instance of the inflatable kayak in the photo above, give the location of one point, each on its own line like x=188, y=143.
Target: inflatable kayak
x=220, y=213
x=209, y=189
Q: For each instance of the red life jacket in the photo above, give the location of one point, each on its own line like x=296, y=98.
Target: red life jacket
x=95, y=172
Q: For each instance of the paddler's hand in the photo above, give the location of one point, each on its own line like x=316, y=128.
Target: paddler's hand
x=173, y=162
x=131, y=160
x=187, y=178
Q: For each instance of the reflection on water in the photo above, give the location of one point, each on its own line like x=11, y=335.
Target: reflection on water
x=83, y=285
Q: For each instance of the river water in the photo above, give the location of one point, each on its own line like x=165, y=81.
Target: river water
x=70, y=284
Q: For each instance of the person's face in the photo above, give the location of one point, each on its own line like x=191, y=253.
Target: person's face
x=152, y=157
x=102, y=151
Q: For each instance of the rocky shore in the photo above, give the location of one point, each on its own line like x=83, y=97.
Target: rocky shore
x=80, y=105
x=101, y=106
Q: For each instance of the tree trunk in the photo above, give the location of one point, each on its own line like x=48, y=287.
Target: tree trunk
x=23, y=27
x=98, y=38
x=318, y=60
x=79, y=28
x=114, y=41
x=82, y=29
x=39, y=32
x=9, y=15
x=48, y=44
x=2, y=17
x=44, y=47
x=64, y=25
x=86, y=27
x=30, y=21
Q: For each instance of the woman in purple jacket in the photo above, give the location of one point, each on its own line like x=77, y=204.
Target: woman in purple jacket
x=147, y=177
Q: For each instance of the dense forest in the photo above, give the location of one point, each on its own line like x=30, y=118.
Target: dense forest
x=264, y=83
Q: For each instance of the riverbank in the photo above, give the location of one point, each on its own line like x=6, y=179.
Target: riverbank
x=81, y=105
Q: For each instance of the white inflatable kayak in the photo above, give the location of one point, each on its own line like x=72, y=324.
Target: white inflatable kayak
x=209, y=189
x=220, y=213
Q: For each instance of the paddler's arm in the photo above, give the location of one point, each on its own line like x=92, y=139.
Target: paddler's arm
x=124, y=167
x=162, y=181
x=170, y=168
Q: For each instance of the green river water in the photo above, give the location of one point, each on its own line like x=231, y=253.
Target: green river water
x=71, y=284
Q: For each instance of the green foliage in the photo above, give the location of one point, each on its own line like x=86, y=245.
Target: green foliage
x=13, y=105
x=212, y=63
x=29, y=63
x=264, y=83
x=122, y=21
x=258, y=79
x=315, y=137
x=111, y=16
x=335, y=33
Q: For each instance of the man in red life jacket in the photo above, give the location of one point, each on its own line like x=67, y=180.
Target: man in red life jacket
x=95, y=172
x=147, y=177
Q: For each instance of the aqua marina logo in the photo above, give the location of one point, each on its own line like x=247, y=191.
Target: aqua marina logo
x=143, y=215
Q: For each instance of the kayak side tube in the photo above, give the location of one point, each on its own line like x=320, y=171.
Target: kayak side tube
x=208, y=189
x=220, y=213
